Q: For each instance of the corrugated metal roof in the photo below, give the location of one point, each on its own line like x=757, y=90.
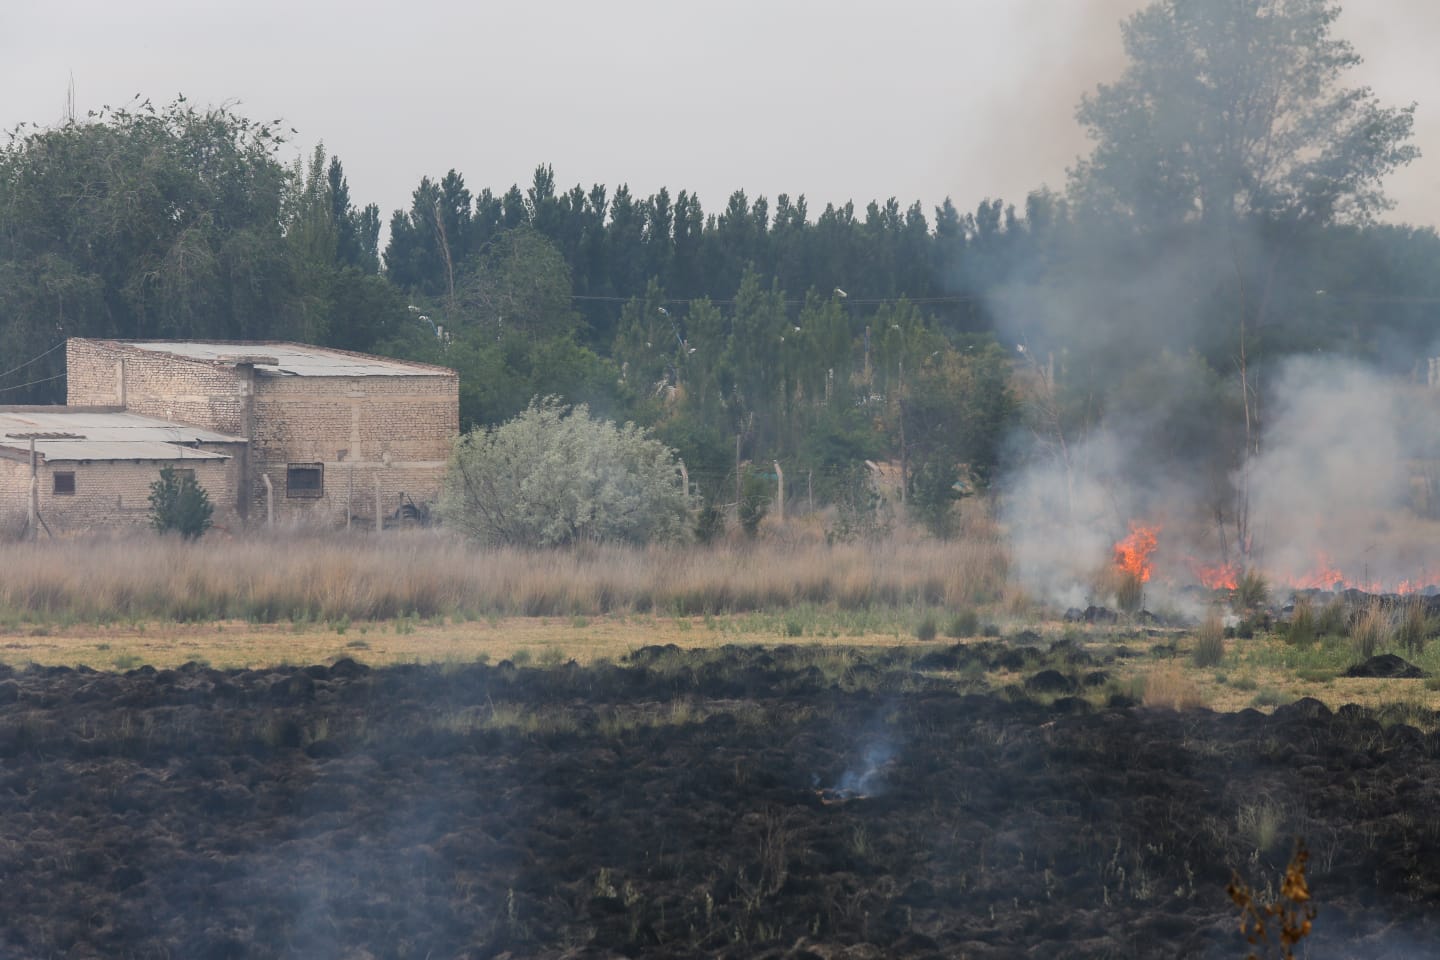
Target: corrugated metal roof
x=291, y=359
x=106, y=436
x=108, y=426
x=54, y=450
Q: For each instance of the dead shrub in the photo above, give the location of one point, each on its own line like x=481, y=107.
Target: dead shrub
x=1333, y=618
x=1170, y=689
x=1252, y=592
x=429, y=574
x=1414, y=628
x=1371, y=632
x=1209, y=642
x=1301, y=632
x=1130, y=593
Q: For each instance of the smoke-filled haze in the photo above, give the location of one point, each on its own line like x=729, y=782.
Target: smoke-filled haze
x=1331, y=496
x=918, y=99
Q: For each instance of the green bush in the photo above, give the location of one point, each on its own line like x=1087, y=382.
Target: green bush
x=935, y=488
x=754, y=503
x=178, y=504
x=709, y=523
x=927, y=629
x=964, y=624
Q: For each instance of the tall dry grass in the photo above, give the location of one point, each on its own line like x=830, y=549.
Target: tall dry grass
x=428, y=574
x=1171, y=689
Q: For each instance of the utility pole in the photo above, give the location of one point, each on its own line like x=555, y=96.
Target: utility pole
x=904, y=453
x=269, y=501
x=32, y=527
x=737, y=468
x=379, y=517
x=780, y=491
x=32, y=502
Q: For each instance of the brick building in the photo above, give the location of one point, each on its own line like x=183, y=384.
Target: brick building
x=92, y=467
x=309, y=434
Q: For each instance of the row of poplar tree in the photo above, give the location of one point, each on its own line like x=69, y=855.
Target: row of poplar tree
x=1193, y=246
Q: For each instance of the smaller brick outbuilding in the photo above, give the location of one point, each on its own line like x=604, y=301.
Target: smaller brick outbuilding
x=75, y=468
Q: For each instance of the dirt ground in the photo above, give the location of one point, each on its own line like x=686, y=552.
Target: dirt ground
x=548, y=641
x=784, y=801
x=246, y=645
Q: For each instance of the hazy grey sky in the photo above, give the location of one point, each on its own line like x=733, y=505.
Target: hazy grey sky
x=835, y=99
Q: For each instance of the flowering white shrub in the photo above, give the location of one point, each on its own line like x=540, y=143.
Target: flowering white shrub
x=555, y=475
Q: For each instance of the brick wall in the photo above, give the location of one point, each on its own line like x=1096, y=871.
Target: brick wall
x=196, y=392
x=14, y=486
x=398, y=430
x=108, y=494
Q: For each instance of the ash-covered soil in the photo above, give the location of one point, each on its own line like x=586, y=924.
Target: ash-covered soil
x=734, y=803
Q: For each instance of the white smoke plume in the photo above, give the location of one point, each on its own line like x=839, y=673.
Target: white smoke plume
x=1337, y=495
x=1331, y=490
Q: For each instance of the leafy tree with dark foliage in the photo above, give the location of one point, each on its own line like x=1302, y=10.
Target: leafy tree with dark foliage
x=1234, y=109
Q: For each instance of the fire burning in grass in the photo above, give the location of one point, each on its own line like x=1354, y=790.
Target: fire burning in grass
x=1220, y=576
x=1137, y=553
x=1133, y=553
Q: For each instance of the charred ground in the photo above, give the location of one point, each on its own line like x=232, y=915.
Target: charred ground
x=739, y=802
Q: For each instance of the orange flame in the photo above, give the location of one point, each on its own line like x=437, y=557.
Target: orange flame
x=1326, y=576
x=1224, y=576
x=1132, y=554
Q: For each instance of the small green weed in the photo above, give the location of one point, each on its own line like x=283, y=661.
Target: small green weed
x=965, y=623
x=1269, y=697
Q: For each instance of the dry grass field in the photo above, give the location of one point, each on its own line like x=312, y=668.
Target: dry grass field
x=115, y=604
x=942, y=765
x=427, y=575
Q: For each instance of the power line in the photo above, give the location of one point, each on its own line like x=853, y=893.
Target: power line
x=28, y=362
x=870, y=301
x=32, y=383
x=1392, y=300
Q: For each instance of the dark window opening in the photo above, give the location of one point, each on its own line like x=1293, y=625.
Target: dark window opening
x=64, y=483
x=305, y=480
x=182, y=474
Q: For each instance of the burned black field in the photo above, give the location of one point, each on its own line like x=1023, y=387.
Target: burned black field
x=736, y=802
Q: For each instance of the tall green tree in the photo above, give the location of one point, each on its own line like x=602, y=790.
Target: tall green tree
x=519, y=283
x=1234, y=108
x=357, y=231
x=141, y=221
